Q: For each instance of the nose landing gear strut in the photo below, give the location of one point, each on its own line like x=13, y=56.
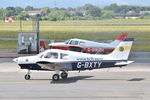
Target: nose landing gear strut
x=27, y=76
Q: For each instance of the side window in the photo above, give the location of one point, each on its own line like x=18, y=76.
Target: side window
x=74, y=42
x=51, y=55
x=82, y=43
x=47, y=55
x=63, y=56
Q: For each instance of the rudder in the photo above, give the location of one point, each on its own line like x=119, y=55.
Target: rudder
x=122, y=51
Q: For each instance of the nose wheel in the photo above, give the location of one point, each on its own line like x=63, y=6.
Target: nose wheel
x=27, y=76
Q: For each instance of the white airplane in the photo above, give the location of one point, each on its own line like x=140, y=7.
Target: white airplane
x=88, y=46
x=64, y=61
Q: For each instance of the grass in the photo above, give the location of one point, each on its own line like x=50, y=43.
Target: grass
x=92, y=30
x=140, y=33
x=12, y=44
x=8, y=44
x=80, y=22
x=95, y=32
x=141, y=47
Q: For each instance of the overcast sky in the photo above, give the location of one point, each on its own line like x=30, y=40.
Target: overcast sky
x=69, y=3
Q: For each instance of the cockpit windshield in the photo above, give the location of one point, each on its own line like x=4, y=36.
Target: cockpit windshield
x=40, y=55
x=67, y=41
x=51, y=55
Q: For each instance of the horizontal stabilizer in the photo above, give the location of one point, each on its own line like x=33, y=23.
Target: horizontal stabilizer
x=123, y=63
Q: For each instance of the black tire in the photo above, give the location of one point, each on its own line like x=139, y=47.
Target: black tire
x=41, y=49
x=27, y=77
x=64, y=75
x=55, y=77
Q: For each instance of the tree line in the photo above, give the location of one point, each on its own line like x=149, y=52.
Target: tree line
x=86, y=12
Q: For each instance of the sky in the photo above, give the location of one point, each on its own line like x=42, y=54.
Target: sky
x=69, y=3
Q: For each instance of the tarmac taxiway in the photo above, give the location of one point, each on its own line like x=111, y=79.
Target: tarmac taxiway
x=127, y=83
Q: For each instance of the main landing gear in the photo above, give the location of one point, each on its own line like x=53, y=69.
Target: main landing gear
x=63, y=75
x=27, y=76
x=55, y=77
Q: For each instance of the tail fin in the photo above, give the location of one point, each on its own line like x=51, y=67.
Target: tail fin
x=122, y=36
x=122, y=51
x=119, y=39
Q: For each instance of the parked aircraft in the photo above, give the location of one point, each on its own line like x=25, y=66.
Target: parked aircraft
x=87, y=46
x=63, y=61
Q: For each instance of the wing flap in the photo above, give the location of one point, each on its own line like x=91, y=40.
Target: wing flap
x=51, y=65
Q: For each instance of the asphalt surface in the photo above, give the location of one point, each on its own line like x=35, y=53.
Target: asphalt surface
x=127, y=83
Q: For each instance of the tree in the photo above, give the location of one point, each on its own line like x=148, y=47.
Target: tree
x=70, y=9
x=57, y=15
x=28, y=8
x=108, y=14
x=46, y=10
x=94, y=11
x=18, y=10
x=91, y=10
x=87, y=7
x=113, y=7
x=10, y=11
x=62, y=9
x=23, y=16
x=1, y=14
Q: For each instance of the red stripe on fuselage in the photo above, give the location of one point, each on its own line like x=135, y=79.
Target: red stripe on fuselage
x=86, y=50
x=97, y=50
x=60, y=47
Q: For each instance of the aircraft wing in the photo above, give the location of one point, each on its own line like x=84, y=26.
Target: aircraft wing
x=122, y=63
x=51, y=65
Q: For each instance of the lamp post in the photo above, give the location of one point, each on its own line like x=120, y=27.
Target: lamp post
x=37, y=30
x=20, y=24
